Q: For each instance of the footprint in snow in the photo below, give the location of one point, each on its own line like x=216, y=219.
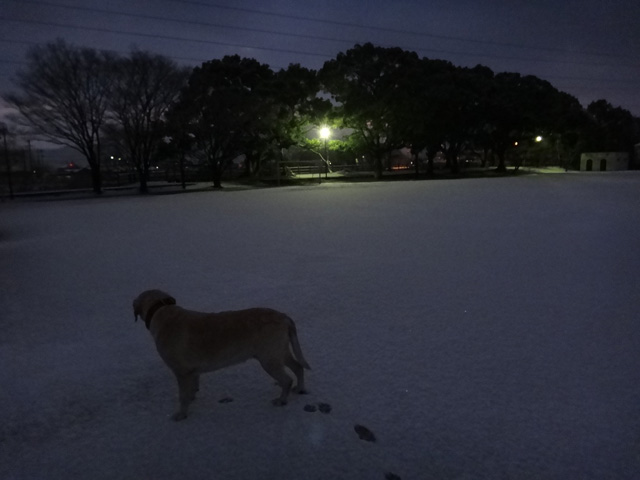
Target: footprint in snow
x=322, y=407
x=364, y=433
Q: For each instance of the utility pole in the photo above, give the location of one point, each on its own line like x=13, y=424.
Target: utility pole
x=3, y=129
x=30, y=160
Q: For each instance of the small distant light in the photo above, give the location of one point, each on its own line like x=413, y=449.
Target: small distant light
x=515, y=144
x=538, y=138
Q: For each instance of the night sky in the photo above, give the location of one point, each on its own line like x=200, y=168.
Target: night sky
x=588, y=48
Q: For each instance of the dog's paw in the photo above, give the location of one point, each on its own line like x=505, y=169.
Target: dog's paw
x=300, y=391
x=321, y=407
x=176, y=417
x=278, y=402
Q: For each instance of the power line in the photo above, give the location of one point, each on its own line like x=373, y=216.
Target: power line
x=390, y=30
x=273, y=49
x=325, y=38
x=308, y=36
x=164, y=37
x=183, y=22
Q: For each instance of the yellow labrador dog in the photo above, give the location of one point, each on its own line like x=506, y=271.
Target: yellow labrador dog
x=191, y=343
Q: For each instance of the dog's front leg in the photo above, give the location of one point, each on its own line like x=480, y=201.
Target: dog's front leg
x=196, y=385
x=187, y=384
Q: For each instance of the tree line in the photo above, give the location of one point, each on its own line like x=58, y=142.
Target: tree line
x=384, y=99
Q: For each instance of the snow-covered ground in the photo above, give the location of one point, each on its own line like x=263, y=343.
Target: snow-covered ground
x=481, y=329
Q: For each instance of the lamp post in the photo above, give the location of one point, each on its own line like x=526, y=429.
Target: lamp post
x=325, y=133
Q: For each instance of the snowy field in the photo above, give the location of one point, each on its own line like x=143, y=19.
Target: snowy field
x=481, y=329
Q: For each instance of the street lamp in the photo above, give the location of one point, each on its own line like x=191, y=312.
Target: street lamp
x=325, y=133
x=538, y=139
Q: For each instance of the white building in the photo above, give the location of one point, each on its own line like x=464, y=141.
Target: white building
x=604, y=161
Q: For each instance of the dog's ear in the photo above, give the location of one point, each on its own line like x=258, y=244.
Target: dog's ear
x=136, y=310
x=169, y=300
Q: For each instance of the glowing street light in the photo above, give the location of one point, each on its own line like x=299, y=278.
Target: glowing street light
x=538, y=139
x=325, y=133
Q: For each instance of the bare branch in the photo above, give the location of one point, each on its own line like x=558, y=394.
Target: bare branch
x=64, y=95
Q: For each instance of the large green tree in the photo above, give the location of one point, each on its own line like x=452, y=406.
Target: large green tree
x=459, y=93
x=518, y=107
x=290, y=108
x=222, y=104
x=420, y=104
x=611, y=128
x=364, y=82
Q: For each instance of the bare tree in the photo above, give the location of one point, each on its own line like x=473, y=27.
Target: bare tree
x=65, y=95
x=146, y=85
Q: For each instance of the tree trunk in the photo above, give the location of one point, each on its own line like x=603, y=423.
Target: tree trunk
x=182, y=179
x=485, y=156
x=430, y=156
x=144, y=174
x=216, y=172
x=452, y=160
x=455, y=167
x=247, y=165
x=96, y=178
x=93, y=158
x=377, y=167
x=500, y=153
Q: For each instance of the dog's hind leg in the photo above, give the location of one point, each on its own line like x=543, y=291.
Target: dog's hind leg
x=276, y=370
x=298, y=371
x=186, y=385
x=195, y=387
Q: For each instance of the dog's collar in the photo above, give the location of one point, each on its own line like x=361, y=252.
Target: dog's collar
x=152, y=311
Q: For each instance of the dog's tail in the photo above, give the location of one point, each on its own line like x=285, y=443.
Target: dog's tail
x=295, y=344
